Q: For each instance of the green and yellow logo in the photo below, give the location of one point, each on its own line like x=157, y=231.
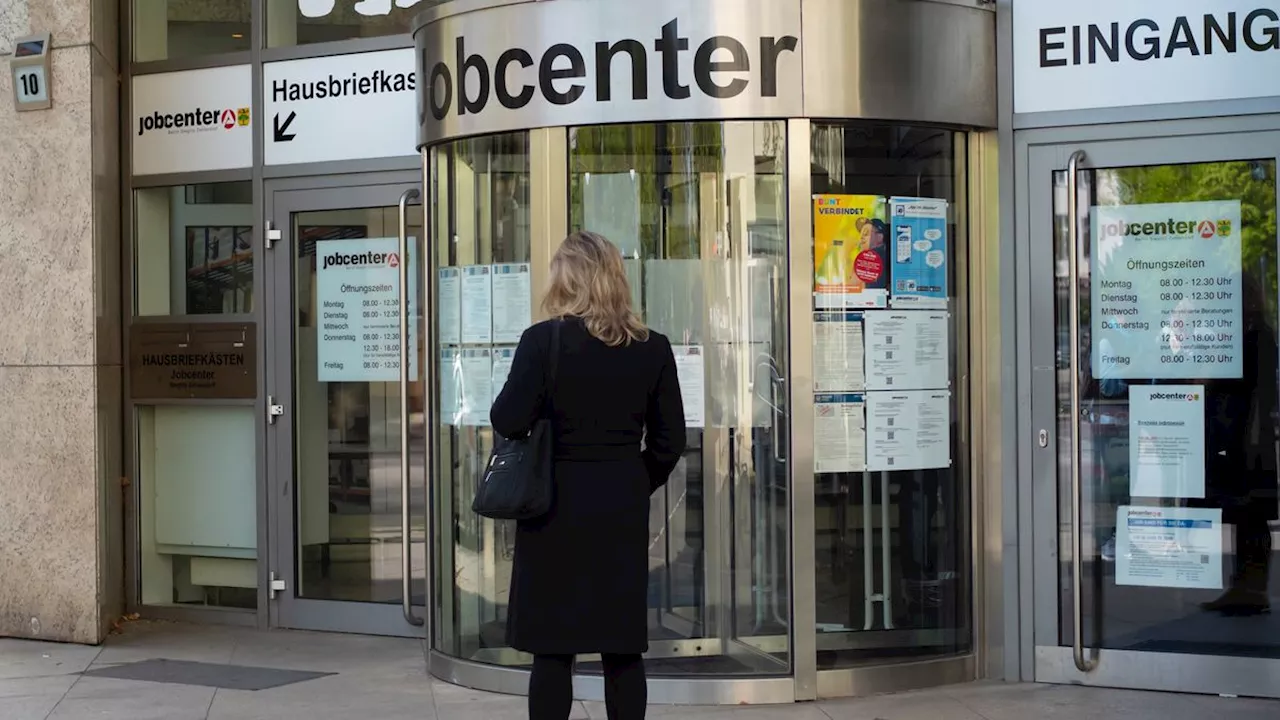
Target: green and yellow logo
x=242, y=117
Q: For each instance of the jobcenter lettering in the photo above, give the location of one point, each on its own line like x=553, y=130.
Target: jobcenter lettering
x=562, y=72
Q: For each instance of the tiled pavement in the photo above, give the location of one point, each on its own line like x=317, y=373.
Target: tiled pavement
x=383, y=679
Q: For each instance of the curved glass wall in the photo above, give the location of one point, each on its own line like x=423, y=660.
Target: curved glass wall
x=702, y=213
x=699, y=213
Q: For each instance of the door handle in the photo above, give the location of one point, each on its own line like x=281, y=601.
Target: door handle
x=406, y=544
x=1083, y=662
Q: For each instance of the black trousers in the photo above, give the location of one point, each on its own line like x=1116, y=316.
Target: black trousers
x=551, y=687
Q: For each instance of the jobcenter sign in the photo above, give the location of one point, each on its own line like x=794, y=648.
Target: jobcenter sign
x=611, y=62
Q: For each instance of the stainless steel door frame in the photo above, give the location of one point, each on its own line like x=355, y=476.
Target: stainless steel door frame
x=282, y=200
x=1052, y=661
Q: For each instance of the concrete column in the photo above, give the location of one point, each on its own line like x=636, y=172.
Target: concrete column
x=60, y=356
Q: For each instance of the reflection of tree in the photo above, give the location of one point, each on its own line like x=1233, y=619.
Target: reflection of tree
x=1252, y=183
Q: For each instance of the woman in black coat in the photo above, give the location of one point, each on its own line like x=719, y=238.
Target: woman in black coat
x=580, y=578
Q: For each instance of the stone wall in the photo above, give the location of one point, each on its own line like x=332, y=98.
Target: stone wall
x=60, y=358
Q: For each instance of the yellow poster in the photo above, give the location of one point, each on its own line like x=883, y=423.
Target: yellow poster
x=849, y=261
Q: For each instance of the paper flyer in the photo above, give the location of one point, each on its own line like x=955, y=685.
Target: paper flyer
x=502, y=360
x=691, y=368
x=1166, y=291
x=908, y=430
x=1169, y=547
x=450, y=369
x=358, y=299
x=477, y=304
x=839, y=433
x=838, y=352
x=512, y=302
x=849, y=252
x=918, y=232
x=475, y=390
x=450, y=306
x=907, y=350
x=1166, y=441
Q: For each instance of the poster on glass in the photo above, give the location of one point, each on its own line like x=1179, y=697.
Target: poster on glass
x=850, y=268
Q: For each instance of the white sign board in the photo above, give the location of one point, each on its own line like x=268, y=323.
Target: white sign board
x=1085, y=54
x=358, y=296
x=1166, y=291
x=192, y=120
x=1169, y=547
x=1166, y=441
x=341, y=107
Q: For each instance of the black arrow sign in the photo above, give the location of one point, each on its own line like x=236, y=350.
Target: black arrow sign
x=280, y=134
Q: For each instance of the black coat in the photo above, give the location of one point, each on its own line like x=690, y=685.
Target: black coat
x=580, y=577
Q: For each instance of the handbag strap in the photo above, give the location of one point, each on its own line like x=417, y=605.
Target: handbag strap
x=553, y=360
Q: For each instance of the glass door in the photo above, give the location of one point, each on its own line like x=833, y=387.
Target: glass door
x=345, y=429
x=1154, y=436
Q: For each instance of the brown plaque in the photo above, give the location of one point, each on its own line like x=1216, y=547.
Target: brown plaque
x=198, y=361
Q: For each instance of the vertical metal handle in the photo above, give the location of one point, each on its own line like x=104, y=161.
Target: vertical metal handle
x=1085, y=664
x=406, y=541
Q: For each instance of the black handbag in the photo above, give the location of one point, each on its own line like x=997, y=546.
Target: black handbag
x=517, y=482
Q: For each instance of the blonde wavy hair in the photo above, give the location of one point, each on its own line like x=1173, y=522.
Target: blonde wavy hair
x=588, y=281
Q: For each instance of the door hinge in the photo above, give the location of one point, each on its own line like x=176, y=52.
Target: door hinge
x=274, y=410
x=272, y=234
x=277, y=585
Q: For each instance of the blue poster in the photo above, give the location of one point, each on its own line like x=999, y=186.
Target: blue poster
x=919, y=236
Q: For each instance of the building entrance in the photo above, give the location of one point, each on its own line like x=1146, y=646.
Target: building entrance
x=338, y=422
x=1155, y=491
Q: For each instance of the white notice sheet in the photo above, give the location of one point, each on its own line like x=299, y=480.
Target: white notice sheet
x=358, y=295
x=839, y=433
x=907, y=350
x=476, y=391
x=691, y=368
x=502, y=358
x=449, y=381
x=512, y=302
x=837, y=352
x=477, y=304
x=1169, y=547
x=450, y=307
x=1166, y=441
x=908, y=430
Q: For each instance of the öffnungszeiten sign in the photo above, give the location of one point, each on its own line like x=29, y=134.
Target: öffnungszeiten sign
x=1166, y=291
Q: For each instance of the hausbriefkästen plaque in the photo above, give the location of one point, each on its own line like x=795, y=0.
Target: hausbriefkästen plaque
x=204, y=361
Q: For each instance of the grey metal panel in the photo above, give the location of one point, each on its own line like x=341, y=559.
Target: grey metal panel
x=1012, y=661
x=914, y=61
x=1167, y=672
x=266, y=499
x=662, y=691
x=1145, y=113
x=344, y=167
x=894, y=60
x=192, y=178
x=896, y=677
x=804, y=610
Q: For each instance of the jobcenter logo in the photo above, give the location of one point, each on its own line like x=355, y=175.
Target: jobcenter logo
x=363, y=259
x=197, y=120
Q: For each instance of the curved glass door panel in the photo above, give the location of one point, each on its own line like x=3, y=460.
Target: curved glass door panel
x=479, y=193
x=699, y=213
x=891, y=506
